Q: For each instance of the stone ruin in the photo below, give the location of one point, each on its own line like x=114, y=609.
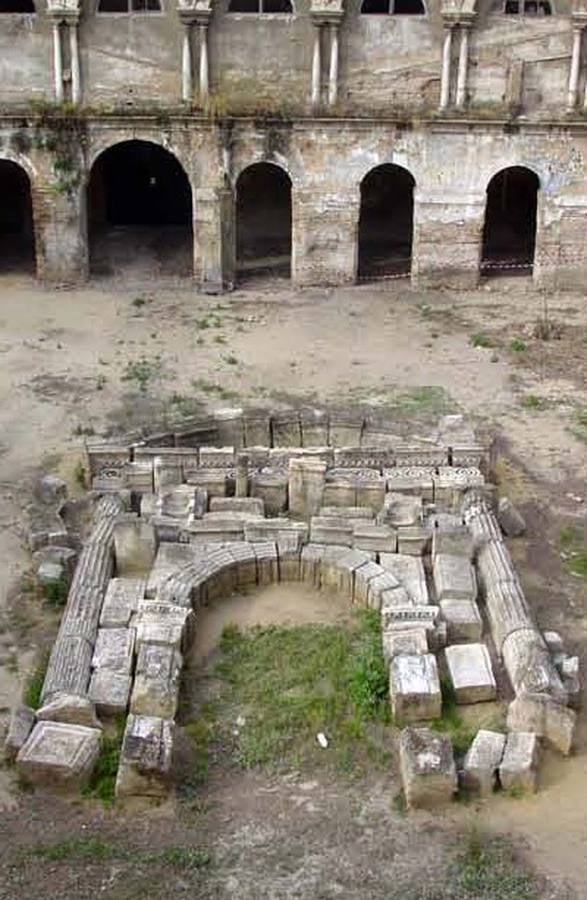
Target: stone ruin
x=411, y=529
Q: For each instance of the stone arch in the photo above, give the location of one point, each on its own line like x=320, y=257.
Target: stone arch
x=509, y=231
x=263, y=210
x=386, y=217
x=17, y=220
x=140, y=209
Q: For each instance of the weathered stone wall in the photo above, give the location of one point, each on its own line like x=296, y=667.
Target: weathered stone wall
x=388, y=64
x=451, y=163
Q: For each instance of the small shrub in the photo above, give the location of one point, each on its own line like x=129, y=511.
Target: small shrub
x=55, y=593
x=532, y=402
x=481, y=340
x=142, y=371
x=518, y=345
x=230, y=359
x=80, y=474
x=139, y=301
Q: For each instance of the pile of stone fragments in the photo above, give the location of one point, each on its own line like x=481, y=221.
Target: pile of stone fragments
x=409, y=528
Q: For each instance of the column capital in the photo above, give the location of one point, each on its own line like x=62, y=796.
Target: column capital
x=578, y=20
x=460, y=19
x=64, y=11
x=194, y=12
x=326, y=12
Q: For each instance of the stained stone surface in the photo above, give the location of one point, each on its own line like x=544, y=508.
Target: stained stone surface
x=22, y=720
x=114, y=649
x=122, y=599
x=428, y=769
x=409, y=571
x=145, y=758
x=414, y=687
x=518, y=767
x=471, y=673
x=463, y=620
x=454, y=577
x=71, y=708
x=542, y=715
x=110, y=692
x=59, y=755
x=412, y=641
x=482, y=762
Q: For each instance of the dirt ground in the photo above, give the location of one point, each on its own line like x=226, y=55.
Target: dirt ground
x=121, y=355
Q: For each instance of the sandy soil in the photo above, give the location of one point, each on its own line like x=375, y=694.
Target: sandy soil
x=66, y=365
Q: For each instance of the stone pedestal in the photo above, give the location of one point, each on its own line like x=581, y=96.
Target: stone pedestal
x=306, y=487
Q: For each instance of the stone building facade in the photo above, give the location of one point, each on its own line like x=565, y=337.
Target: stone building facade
x=330, y=140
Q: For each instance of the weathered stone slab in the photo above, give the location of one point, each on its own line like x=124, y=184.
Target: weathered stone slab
x=409, y=571
x=414, y=688
x=267, y=562
x=159, y=622
x=346, y=566
x=345, y=512
x=331, y=531
x=134, y=545
x=289, y=549
x=166, y=473
x=122, y=599
x=59, y=756
x=329, y=567
x=455, y=541
x=378, y=585
x=450, y=483
x=518, y=767
x=286, y=430
x=454, y=578
x=210, y=530
x=415, y=480
x=413, y=539
x=540, y=714
x=401, y=509
x=252, y=506
x=272, y=488
x=306, y=486
x=471, y=673
x=482, y=762
x=22, y=720
x=110, y=692
x=411, y=642
x=339, y=491
x=275, y=529
x=46, y=528
x=427, y=766
x=145, y=759
x=530, y=667
x=51, y=490
x=156, y=685
x=463, y=620
x=169, y=559
x=400, y=618
x=138, y=476
x=377, y=538
x=213, y=481
x=510, y=519
x=114, y=649
x=217, y=458
x=310, y=563
x=71, y=708
x=370, y=492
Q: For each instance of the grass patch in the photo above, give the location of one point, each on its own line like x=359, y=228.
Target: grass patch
x=282, y=686
x=488, y=869
x=80, y=475
x=92, y=849
x=34, y=684
x=451, y=722
x=55, y=593
x=580, y=424
x=518, y=345
x=102, y=782
x=481, y=340
x=214, y=389
x=573, y=547
x=142, y=371
x=532, y=402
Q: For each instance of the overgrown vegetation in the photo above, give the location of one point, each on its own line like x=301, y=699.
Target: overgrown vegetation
x=481, y=340
x=34, y=684
x=103, y=780
x=55, y=592
x=281, y=687
x=487, y=870
x=94, y=850
x=451, y=722
x=142, y=371
x=573, y=551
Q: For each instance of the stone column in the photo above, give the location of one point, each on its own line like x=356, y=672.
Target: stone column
x=186, y=63
x=242, y=475
x=57, y=61
x=316, y=65
x=445, y=73
x=575, y=67
x=76, y=87
x=333, y=73
x=204, y=65
x=463, y=66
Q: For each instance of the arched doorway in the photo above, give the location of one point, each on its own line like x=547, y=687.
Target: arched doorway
x=140, y=212
x=17, y=237
x=386, y=222
x=263, y=221
x=509, y=233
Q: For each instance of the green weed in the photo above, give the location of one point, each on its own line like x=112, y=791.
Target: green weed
x=481, y=340
x=532, y=402
x=34, y=685
x=55, y=593
x=103, y=780
x=142, y=371
x=518, y=345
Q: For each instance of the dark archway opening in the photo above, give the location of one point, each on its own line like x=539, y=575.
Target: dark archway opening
x=17, y=237
x=17, y=6
x=509, y=233
x=263, y=221
x=140, y=212
x=386, y=222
